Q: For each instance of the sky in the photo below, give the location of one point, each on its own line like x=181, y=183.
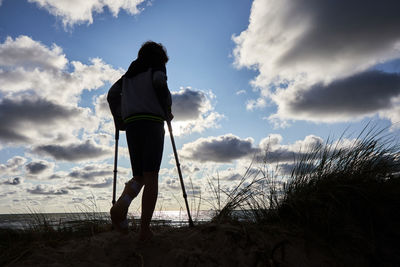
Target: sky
x=246, y=77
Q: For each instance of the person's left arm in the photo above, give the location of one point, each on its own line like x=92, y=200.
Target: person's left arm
x=163, y=94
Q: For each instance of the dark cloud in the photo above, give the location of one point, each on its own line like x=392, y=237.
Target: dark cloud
x=74, y=187
x=360, y=94
x=301, y=44
x=187, y=104
x=91, y=172
x=355, y=28
x=15, y=181
x=55, y=176
x=8, y=193
x=224, y=148
x=36, y=167
x=172, y=184
x=73, y=152
x=89, y=175
x=41, y=190
x=194, y=191
x=17, y=114
x=104, y=184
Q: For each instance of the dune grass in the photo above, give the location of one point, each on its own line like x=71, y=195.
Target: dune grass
x=346, y=195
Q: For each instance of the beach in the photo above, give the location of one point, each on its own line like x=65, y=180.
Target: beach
x=211, y=244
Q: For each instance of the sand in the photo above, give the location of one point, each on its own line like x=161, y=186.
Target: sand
x=205, y=245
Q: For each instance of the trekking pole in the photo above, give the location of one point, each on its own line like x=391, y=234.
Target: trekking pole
x=115, y=164
x=178, y=166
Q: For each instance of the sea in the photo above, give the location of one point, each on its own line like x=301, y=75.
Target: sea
x=29, y=220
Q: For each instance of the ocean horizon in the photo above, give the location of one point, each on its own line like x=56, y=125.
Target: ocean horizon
x=26, y=220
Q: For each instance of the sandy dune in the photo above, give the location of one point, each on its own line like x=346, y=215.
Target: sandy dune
x=206, y=245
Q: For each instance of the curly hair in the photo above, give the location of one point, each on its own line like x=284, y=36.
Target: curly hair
x=153, y=53
x=150, y=55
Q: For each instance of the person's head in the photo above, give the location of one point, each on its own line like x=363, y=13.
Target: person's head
x=154, y=54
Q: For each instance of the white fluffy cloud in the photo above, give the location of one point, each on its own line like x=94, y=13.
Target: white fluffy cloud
x=25, y=52
x=13, y=166
x=77, y=12
x=27, y=65
x=303, y=49
x=40, y=98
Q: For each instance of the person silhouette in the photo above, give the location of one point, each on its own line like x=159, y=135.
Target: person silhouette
x=140, y=102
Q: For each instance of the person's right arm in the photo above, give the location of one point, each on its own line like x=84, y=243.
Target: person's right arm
x=114, y=101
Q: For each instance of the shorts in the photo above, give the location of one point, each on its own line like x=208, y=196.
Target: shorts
x=146, y=144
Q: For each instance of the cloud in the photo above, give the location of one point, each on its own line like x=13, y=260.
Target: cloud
x=343, y=99
x=256, y=103
x=193, y=111
x=302, y=50
x=95, y=175
x=27, y=66
x=21, y=120
x=74, y=152
x=224, y=148
x=272, y=151
x=38, y=167
x=14, y=181
x=188, y=104
x=240, y=92
x=41, y=95
x=227, y=148
x=90, y=172
x=286, y=39
x=47, y=190
x=101, y=106
x=78, y=12
x=25, y=52
x=12, y=166
x=104, y=184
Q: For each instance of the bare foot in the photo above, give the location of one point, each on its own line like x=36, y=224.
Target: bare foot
x=118, y=214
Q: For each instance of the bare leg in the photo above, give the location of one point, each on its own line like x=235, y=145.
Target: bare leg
x=149, y=200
